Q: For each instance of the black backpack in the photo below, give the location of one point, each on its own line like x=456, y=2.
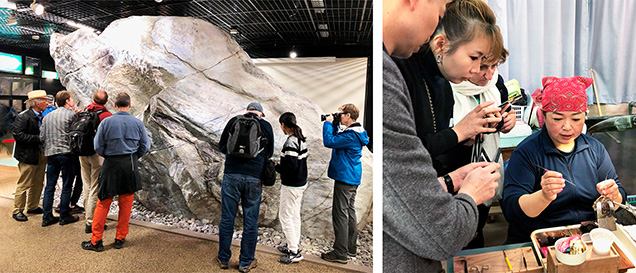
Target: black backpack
x=82, y=132
x=245, y=137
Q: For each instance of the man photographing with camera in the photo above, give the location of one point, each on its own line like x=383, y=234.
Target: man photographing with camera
x=346, y=137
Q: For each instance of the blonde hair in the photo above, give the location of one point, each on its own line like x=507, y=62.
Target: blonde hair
x=464, y=20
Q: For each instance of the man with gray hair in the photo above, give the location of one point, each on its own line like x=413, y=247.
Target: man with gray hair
x=31, y=159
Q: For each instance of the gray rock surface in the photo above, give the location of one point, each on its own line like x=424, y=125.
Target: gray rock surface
x=187, y=78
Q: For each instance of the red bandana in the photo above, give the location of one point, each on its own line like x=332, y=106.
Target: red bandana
x=563, y=94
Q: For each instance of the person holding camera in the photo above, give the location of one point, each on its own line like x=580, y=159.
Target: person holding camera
x=345, y=168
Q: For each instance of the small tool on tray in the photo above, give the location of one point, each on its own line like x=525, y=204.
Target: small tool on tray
x=476, y=269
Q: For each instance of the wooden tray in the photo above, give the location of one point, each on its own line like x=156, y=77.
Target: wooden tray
x=593, y=262
x=495, y=260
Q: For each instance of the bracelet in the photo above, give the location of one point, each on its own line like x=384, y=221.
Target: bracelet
x=449, y=184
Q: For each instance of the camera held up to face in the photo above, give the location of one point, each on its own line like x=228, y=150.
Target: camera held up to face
x=336, y=117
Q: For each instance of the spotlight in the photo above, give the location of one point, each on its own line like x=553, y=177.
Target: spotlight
x=292, y=53
x=158, y=1
x=12, y=21
x=37, y=8
x=35, y=37
x=234, y=30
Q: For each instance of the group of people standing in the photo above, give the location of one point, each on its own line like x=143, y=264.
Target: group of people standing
x=43, y=144
x=242, y=183
x=111, y=169
x=441, y=125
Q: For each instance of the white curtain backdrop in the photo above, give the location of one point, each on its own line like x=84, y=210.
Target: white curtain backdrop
x=565, y=38
x=330, y=82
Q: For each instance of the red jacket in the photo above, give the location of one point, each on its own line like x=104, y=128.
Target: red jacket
x=94, y=107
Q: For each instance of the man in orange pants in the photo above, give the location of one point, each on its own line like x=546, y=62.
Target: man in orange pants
x=121, y=139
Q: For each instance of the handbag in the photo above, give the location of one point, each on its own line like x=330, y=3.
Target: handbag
x=268, y=176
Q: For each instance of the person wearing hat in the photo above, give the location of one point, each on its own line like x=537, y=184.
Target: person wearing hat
x=30, y=156
x=535, y=193
x=241, y=181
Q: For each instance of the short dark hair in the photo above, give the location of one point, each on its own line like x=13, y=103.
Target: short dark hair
x=122, y=100
x=61, y=97
x=351, y=109
x=100, y=97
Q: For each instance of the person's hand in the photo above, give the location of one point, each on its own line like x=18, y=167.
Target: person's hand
x=478, y=121
x=329, y=118
x=509, y=120
x=459, y=175
x=480, y=183
x=552, y=183
x=609, y=188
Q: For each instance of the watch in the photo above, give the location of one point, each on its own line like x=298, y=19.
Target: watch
x=449, y=183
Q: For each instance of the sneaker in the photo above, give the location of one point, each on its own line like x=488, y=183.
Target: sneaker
x=221, y=264
x=283, y=249
x=119, y=243
x=89, y=228
x=247, y=268
x=291, y=257
x=76, y=210
x=20, y=217
x=50, y=221
x=98, y=247
x=69, y=219
x=333, y=257
x=35, y=211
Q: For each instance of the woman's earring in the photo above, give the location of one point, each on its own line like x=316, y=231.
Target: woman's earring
x=439, y=58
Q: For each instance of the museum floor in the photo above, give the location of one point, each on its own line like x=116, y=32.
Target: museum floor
x=28, y=247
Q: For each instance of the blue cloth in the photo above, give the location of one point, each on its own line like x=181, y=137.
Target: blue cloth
x=48, y=109
x=248, y=190
x=251, y=167
x=56, y=163
x=345, y=164
x=589, y=164
x=121, y=134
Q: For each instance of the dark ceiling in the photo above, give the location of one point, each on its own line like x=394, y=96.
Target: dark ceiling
x=266, y=28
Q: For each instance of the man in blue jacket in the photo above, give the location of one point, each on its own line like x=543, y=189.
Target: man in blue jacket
x=346, y=169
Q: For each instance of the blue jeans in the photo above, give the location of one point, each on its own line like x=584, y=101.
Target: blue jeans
x=55, y=164
x=248, y=190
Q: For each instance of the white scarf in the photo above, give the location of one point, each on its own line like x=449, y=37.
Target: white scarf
x=465, y=101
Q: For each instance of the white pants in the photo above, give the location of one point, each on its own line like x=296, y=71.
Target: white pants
x=91, y=166
x=289, y=214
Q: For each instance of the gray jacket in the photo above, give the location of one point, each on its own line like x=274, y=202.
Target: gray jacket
x=423, y=224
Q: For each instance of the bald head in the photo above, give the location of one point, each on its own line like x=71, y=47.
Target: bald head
x=100, y=97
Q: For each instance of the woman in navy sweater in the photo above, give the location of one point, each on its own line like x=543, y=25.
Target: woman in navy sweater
x=535, y=193
x=293, y=175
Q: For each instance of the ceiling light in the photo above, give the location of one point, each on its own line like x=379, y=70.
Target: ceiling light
x=5, y=4
x=37, y=8
x=12, y=21
x=234, y=31
x=158, y=1
x=292, y=53
x=35, y=37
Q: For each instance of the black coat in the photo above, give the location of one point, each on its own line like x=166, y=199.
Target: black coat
x=26, y=131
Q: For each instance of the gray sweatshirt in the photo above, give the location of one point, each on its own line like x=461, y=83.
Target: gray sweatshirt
x=423, y=224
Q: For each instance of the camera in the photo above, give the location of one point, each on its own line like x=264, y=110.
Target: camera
x=336, y=117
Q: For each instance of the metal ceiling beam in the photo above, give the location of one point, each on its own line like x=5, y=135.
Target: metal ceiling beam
x=312, y=20
x=270, y=24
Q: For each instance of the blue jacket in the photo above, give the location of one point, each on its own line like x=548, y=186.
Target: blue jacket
x=345, y=165
x=588, y=164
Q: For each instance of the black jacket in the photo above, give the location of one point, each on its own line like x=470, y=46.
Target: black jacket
x=438, y=139
x=251, y=167
x=26, y=131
